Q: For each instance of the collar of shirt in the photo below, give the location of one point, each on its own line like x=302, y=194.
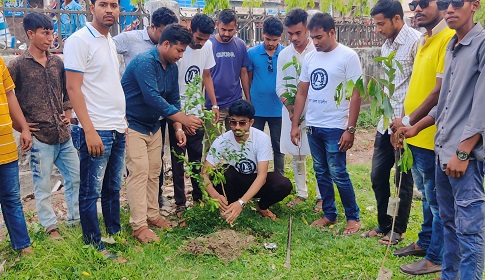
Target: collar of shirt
x=467, y=39
x=94, y=31
x=154, y=53
x=437, y=29
x=145, y=35
x=307, y=49
x=28, y=55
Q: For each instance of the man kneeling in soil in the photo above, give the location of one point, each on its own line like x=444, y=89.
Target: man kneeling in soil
x=247, y=151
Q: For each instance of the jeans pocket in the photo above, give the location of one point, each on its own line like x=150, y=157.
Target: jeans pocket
x=470, y=215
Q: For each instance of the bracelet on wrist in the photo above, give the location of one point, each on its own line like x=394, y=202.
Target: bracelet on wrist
x=178, y=130
x=215, y=107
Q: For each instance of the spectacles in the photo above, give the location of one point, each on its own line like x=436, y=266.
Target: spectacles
x=423, y=4
x=443, y=5
x=234, y=123
x=270, y=63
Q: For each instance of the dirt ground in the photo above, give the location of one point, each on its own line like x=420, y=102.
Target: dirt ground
x=361, y=153
x=225, y=244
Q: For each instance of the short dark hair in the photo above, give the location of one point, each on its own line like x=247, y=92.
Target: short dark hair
x=94, y=2
x=227, y=16
x=163, y=16
x=242, y=108
x=388, y=8
x=272, y=26
x=322, y=20
x=176, y=33
x=203, y=23
x=34, y=21
x=296, y=16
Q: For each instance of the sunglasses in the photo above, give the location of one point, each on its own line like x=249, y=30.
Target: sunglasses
x=443, y=5
x=234, y=123
x=270, y=63
x=423, y=4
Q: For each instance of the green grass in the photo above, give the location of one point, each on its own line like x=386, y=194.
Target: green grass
x=315, y=253
x=366, y=120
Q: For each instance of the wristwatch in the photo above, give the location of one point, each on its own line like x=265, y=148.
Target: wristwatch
x=241, y=202
x=351, y=129
x=406, y=121
x=462, y=155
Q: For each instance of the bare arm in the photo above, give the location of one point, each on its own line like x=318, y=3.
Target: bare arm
x=245, y=83
x=300, y=101
x=209, y=187
x=18, y=121
x=209, y=88
x=74, y=82
x=430, y=101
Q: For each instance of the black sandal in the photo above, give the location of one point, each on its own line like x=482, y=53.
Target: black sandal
x=392, y=238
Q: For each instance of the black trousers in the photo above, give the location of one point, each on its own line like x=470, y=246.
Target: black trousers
x=383, y=160
x=194, y=151
x=276, y=188
x=163, y=125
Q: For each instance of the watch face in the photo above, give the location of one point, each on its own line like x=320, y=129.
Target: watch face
x=462, y=155
x=351, y=129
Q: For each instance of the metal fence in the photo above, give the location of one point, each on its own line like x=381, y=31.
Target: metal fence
x=356, y=33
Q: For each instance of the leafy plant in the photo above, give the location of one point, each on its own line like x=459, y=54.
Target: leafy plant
x=380, y=92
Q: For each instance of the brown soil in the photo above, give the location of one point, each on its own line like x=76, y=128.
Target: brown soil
x=225, y=244
x=361, y=152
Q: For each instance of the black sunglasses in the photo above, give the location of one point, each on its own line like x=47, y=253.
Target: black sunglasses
x=270, y=63
x=235, y=123
x=443, y=5
x=423, y=4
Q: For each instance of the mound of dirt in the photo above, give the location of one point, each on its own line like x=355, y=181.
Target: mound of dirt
x=225, y=244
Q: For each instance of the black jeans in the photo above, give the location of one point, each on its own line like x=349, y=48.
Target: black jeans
x=163, y=125
x=383, y=160
x=194, y=151
x=276, y=188
x=274, y=124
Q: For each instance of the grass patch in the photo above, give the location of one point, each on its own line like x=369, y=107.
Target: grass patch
x=315, y=253
x=366, y=120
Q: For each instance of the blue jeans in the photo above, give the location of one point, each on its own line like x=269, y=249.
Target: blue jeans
x=101, y=177
x=13, y=213
x=274, y=124
x=76, y=136
x=330, y=167
x=42, y=159
x=462, y=209
x=431, y=236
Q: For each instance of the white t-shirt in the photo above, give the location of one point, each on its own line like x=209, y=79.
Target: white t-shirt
x=91, y=53
x=325, y=71
x=243, y=157
x=193, y=63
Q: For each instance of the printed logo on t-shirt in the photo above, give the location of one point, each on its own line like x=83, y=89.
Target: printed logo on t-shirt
x=225, y=54
x=245, y=166
x=319, y=79
x=191, y=73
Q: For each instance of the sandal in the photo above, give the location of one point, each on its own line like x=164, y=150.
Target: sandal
x=159, y=223
x=352, y=227
x=376, y=232
x=145, y=235
x=318, y=206
x=180, y=210
x=391, y=238
x=266, y=213
x=323, y=222
x=296, y=201
x=54, y=234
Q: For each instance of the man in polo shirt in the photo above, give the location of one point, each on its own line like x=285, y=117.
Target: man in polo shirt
x=134, y=42
x=198, y=59
x=400, y=38
x=422, y=95
x=458, y=144
x=295, y=22
x=92, y=78
x=151, y=90
x=263, y=59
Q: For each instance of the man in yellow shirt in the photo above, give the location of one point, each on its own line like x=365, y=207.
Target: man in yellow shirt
x=423, y=92
x=11, y=116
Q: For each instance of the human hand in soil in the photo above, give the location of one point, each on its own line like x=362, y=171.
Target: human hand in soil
x=232, y=212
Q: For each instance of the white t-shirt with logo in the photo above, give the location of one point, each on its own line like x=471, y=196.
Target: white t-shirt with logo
x=243, y=157
x=193, y=63
x=325, y=71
